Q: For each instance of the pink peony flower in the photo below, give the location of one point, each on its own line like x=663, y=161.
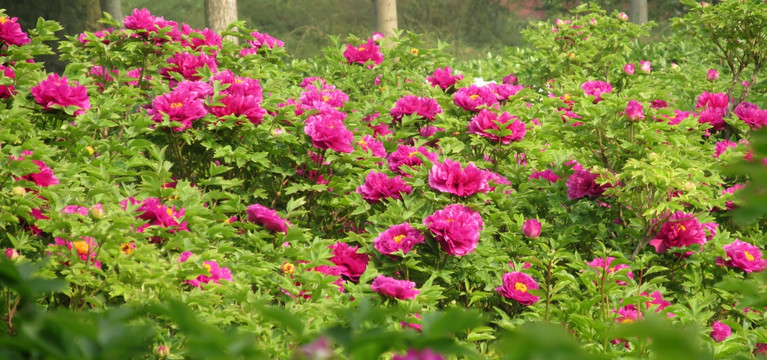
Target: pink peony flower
x=379, y=186
x=156, y=214
x=407, y=156
x=85, y=250
x=510, y=79
x=188, y=64
x=474, y=97
x=680, y=231
x=657, y=300
x=547, y=175
x=744, y=256
x=56, y=91
x=731, y=190
x=596, y=88
x=751, y=114
x=504, y=92
x=11, y=254
x=328, y=132
x=456, y=227
x=267, y=218
x=368, y=51
x=178, y=105
x=397, y=237
x=259, y=40
x=44, y=177
x=6, y=91
x=532, y=228
x=712, y=75
x=582, y=183
x=678, y=117
x=11, y=33
x=348, y=262
x=602, y=264
x=444, y=78
x=628, y=314
x=623, y=16
x=720, y=331
x=503, y=128
x=196, y=38
x=645, y=66
x=450, y=177
x=216, y=272
x=413, y=354
x=713, y=107
x=634, y=110
x=629, y=69
x=313, y=97
x=426, y=108
x=398, y=289
x=516, y=286
x=372, y=146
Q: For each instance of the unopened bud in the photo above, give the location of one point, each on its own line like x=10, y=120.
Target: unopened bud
x=11, y=253
x=19, y=191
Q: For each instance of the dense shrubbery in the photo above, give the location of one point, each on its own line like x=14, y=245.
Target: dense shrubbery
x=175, y=195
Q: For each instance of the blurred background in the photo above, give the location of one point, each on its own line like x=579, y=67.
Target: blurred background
x=474, y=28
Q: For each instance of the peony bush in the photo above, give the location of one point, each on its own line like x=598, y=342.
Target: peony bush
x=175, y=195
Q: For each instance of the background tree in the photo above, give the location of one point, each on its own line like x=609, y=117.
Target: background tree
x=638, y=11
x=219, y=14
x=114, y=8
x=386, y=17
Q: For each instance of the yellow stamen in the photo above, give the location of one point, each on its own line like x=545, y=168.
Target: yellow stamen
x=627, y=321
x=288, y=268
x=206, y=266
x=749, y=257
x=169, y=211
x=412, y=153
x=474, y=97
x=566, y=97
x=4, y=20
x=238, y=81
x=81, y=247
x=175, y=105
x=520, y=287
x=361, y=48
x=325, y=98
x=362, y=143
x=398, y=238
x=126, y=248
x=90, y=149
x=414, y=51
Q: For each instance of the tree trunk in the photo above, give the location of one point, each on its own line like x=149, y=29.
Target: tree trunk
x=114, y=8
x=219, y=14
x=638, y=11
x=386, y=17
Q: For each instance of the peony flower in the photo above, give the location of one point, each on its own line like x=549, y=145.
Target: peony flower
x=85, y=250
x=267, y=218
x=328, y=132
x=547, y=174
x=56, y=91
x=368, y=51
x=645, y=66
x=730, y=205
x=634, y=110
x=627, y=314
x=11, y=33
x=413, y=354
x=748, y=113
x=348, y=262
x=629, y=69
x=516, y=286
x=188, y=65
x=713, y=107
x=582, y=183
x=596, y=89
x=712, y=75
x=531, y=228
x=443, y=78
x=602, y=264
x=379, y=186
x=6, y=91
x=720, y=331
x=678, y=117
x=680, y=231
x=178, y=105
x=504, y=92
x=312, y=97
x=623, y=16
x=474, y=97
x=259, y=40
x=407, y=156
x=744, y=256
x=398, y=289
x=196, y=38
x=502, y=128
x=397, y=237
x=216, y=272
x=11, y=254
x=156, y=214
x=426, y=108
x=510, y=79
x=657, y=300
x=456, y=227
x=372, y=146
x=450, y=177
x=44, y=177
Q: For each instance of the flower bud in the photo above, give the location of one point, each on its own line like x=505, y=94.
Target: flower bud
x=97, y=212
x=19, y=191
x=532, y=228
x=712, y=75
x=11, y=253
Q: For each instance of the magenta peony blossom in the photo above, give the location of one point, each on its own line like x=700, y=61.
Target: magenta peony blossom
x=56, y=91
x=628, y=314
x=349, y=263
x=596, y=89
x=267, y=218
x=712, y=75
x=602, y=264
x=456, y=227
x=680, y=231
x=44, y=177
x=328, y=132
x=720, y=331
x=6, y=91
x=748, y=113
x=474, y=98
x=657, y=300
x=510, y=79
x=547, y=175
x=582, y=183
x=744, y=256
x=240, y=105
x=372, y=146
x=426, y=108
x=451, y=178
x=141, y=20
x=11, y=33
x=379, y=186
x=179, y=105
x=398, y=289
x=516, y=286
x=713, y=107
x=86, y=250
x=407, y=156
x=504, y=92
x=260, y=40
x=645, y=66
x=196, y=38
x=11, y=254
x=187, y=65
x=503, y=128
x=217, y=273
x=634, y=110
x=368, y=51
x=532, y=228
x=156, y=214
x=310, y=98
x=397, y=237
x=629, y=69
x=413, y=354
x=444, y=78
